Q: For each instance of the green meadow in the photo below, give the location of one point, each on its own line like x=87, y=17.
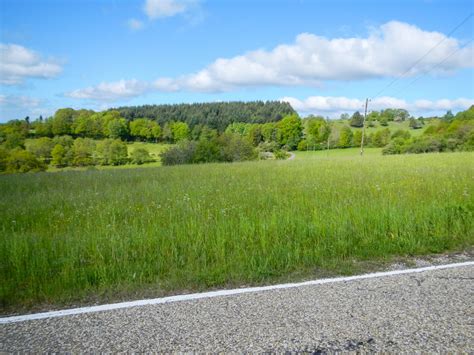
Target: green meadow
x=69, y=236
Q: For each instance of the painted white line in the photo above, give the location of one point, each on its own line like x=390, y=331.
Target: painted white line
x=195, y=296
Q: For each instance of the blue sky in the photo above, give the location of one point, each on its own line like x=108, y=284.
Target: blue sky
x=324, y=57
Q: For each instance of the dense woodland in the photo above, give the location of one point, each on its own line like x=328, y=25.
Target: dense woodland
x=232, y=132
x=215, y=115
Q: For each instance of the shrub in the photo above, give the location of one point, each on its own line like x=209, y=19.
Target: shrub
x=22, y=161
x=140, y=156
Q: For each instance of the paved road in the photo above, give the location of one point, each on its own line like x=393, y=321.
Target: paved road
x=428, y=311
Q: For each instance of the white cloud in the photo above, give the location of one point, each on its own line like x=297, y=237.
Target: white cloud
x=19, y=101
x=122, y=89
x=387, y=51
x=18, y=63
x=135, y=24
x=165, y=8
x=334, y=105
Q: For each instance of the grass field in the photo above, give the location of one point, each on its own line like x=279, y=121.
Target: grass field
x=71, y=235
x=392, y=126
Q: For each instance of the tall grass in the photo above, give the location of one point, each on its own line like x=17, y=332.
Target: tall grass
x=69, y=234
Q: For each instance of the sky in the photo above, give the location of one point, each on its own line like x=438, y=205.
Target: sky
x=324, y=57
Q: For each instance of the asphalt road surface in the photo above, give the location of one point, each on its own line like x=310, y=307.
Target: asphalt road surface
x=427, y=311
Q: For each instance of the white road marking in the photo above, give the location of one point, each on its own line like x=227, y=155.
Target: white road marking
x=195, y=296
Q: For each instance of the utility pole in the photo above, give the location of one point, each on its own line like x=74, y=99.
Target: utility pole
x=363, y=128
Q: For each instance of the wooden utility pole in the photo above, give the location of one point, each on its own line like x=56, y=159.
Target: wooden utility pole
x=363, y=128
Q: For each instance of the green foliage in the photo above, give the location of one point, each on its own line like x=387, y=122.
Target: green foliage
x=446, y=135
x=41, y=148
x=415, y=124
x=234, y=148
x=380, y=138
x=357, y=138
x=345, y=137
x=82, y=152
x=228, y=147
x=61, y=123
x=401, y=133
x=357, y=120
x=14, y=140
x=316, y=132
x=111, y=152
x=140, y=156
x=3, y=158
x=59, y=156
x=216, y=115
x=145, y=129
x=88, y=124
x=290, y=131
x=180, y=131
x=466, y=115
x=183, y=153
x=22, y=161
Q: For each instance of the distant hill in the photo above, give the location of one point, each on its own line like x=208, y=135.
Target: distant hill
x=217, y=115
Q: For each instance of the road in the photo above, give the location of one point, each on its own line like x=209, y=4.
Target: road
x=424, y=311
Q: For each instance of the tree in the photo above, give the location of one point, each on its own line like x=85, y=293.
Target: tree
x=82, y=151
x=179, y=131
x=22, y=161
x=14, y=140
x=62, y=121
x=381, y=138
x=3, y=158
x=41, y=148
x=117, y=128
x=345, y=137
x=58, y=156
x=88, y=124
x=140, y=156
x=235, y=148
x=290, y=131
x=357, y=120
x=448, y=116
x=111, y=152
x=357, y=138
x=414, y=123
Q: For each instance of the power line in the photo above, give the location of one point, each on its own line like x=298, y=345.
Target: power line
x=423, y=56
x=433, y=67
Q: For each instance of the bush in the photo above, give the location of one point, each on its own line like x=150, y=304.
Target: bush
x=182, y=153
x=22, y=161
x=281, y=154
x=302, y=145
x=140, y=156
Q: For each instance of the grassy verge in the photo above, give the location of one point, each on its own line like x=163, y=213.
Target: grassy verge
x=72, y=235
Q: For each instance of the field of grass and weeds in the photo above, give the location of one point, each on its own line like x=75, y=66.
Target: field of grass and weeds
x=76, y=235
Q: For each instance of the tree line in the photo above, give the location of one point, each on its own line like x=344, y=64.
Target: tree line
x=84, y=137
x=215, y=115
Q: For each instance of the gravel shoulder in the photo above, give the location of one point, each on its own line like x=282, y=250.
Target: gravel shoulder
x=427, y=311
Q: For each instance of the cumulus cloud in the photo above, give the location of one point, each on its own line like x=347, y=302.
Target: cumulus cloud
x=135, y=24
x=387, y=51
x=165, y=8
x=18, y=63
x=122, y=89
x=333, y=105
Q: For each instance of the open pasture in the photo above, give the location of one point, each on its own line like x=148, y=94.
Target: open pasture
x=70, y=235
